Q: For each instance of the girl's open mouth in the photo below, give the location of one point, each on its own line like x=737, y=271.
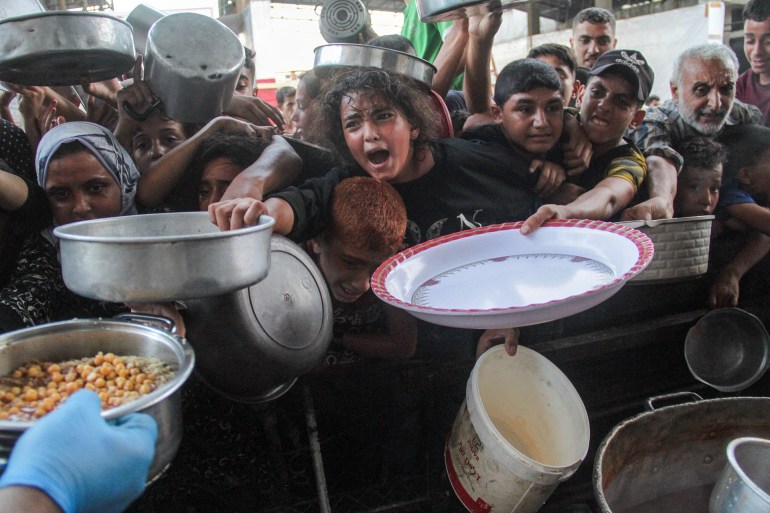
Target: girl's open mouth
x=378, y=157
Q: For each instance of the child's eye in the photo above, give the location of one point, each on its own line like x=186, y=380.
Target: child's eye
x=525, y=110
x=351, y=125
x=384, y=115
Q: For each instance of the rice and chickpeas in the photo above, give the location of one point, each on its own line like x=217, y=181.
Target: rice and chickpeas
x=37, y=388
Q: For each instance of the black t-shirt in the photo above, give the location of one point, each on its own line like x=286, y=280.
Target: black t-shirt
x=473, y=183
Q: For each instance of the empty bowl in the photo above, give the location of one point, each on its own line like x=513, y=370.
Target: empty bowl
x=727, y=349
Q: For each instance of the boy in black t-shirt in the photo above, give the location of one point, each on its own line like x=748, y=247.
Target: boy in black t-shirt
x=617, y=86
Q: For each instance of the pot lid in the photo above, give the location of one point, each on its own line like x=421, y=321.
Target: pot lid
x=292, y=305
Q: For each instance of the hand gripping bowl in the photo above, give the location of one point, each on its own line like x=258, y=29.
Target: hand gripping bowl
x=78, y=338
x=161, y=257
x=494, y=277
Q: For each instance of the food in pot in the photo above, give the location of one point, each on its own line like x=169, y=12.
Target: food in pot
x=37, y=388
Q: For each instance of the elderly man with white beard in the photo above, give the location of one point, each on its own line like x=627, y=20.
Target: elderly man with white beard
x=703, y=89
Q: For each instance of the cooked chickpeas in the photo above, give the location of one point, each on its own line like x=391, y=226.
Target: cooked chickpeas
x=37, y=388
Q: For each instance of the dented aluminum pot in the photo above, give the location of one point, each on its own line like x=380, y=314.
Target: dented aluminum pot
x=674, y=455
x=253, y=343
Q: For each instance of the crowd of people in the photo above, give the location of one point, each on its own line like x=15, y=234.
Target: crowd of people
x=567, y=132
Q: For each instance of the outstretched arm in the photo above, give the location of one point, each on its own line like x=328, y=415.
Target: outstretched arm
x=450, y=60
x=607, y=198
x=477, y=80
x=725, y=291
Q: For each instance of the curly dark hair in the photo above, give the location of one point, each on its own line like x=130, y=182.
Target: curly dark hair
x=413, y=99
x=703, y=153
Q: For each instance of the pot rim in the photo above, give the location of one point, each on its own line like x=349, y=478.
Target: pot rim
x=182, y=348
x=59, y=14
x=602, y=447
x=748, y=481
x=70, y=231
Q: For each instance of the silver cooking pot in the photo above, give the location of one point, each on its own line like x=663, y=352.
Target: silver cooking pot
x=444, y=10
x=331, y=57
x=63, y=48
x=66, y=340
x=141, y=20
x=161, y=257
x=194, y=75
x=252, y=344
x=671, y=456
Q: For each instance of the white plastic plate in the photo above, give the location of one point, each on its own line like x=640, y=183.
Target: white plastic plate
x=494, y=277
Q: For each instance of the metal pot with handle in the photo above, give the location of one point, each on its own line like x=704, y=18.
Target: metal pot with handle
x=253, y=343
x=664, y=458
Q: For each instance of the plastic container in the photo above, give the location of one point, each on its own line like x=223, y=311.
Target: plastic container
x=521, y=431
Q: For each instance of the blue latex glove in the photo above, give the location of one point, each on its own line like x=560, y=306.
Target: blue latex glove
x=83, y=463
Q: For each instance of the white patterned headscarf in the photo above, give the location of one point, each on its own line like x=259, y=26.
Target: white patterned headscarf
x=99, y=141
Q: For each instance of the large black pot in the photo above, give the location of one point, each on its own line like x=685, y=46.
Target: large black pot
x=669, y=459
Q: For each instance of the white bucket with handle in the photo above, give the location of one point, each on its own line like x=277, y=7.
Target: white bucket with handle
x=521, y=431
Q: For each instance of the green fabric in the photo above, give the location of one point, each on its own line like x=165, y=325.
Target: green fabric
x=426, y=38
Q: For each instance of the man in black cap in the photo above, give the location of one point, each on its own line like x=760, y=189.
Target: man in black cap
x=618, y=84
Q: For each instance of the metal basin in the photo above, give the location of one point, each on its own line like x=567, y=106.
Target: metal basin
x=161, y=257
x=66, y=340
x=443, y=10
x=64, y=48
x=331, y=57
x=660, y=460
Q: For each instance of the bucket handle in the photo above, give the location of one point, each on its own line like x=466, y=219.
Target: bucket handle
x=686, y=396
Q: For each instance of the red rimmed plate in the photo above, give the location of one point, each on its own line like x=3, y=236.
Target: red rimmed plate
x=494, y=277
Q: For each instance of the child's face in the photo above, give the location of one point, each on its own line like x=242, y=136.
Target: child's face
x=566, y=75
x=756, y=179
x=347, y=268
x=154, y=138
x=217, y=176
x=79, y=188
x=607, y=107
x=532, y=120
x=378, y=135
x=697, y=191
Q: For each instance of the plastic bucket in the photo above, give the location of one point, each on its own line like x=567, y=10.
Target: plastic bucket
x=521, y=431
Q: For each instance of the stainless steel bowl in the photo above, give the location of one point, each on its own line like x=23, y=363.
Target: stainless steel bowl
x=334, y=56
x=727, y=349
x=66, y=340
x=141, y=20
x=161, y=257
x=444, y=10
x=63, y=48
x=744, y=484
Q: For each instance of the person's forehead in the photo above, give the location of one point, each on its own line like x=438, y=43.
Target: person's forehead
x=537, y=95
x=612, y=82
x=586, y=28
x=220, y=168
x=757, y=28
x=695, y=173
x=557, y=63
x=696, y=69
x=349, y=250
x=360, y=101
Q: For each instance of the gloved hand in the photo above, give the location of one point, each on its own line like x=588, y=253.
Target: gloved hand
x=83, y=463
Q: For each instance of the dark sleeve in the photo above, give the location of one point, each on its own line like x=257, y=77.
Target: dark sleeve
x=35, y=287
x=310, y=203
x=35, y=214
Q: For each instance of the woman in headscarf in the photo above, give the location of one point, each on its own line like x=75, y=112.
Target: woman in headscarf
x=85, y=174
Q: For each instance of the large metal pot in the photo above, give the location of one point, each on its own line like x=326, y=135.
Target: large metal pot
x=194, y=75
x=64, y=48
x=331, y=57
x=443, y=10
x=141, y=20
x=161, y=257
x=66, y=340
x=253, y=343
x=659, y=460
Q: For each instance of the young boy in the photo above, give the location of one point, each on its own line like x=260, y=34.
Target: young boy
x=697, y=190
x=366, y=225
x=617, y=86
x=562, y=59
x=753, y=86
x=742, y=212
